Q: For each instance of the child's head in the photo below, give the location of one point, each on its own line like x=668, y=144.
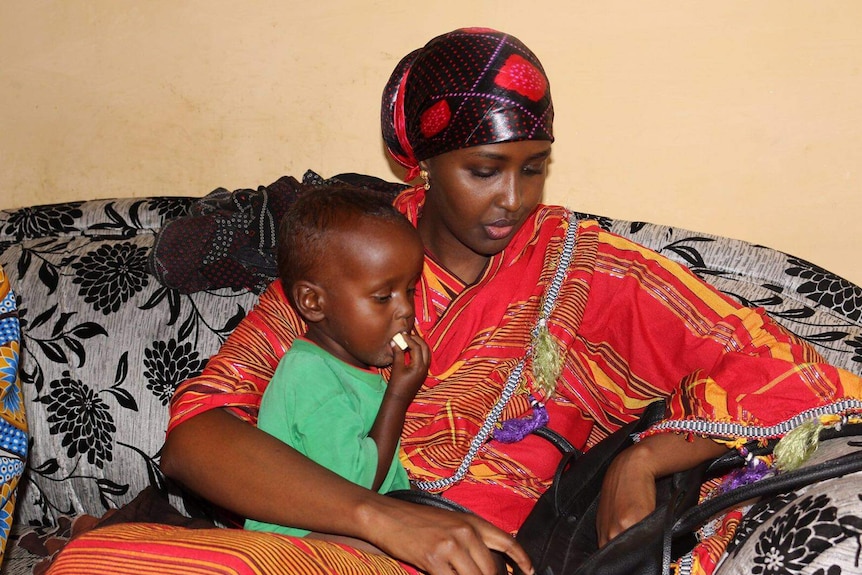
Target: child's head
x=349, y=263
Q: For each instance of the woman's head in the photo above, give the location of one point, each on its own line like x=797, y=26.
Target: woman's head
x=472, y=108
x=466, y=88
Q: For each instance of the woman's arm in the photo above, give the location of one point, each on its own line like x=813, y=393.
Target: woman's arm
x=250, y=472
x=628, y=491
x=656, y=330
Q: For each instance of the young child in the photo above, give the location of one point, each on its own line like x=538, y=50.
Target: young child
x=349, y=264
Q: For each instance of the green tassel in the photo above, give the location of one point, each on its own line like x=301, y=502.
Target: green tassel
x=798, y=445
x=547, y=363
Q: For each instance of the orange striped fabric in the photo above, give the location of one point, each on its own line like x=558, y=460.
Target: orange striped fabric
x=633, y=326
x=147, y=548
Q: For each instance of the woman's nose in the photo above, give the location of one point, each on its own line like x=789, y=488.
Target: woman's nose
x=511, y=197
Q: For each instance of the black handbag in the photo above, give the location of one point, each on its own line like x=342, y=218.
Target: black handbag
x=559, y=535
x=421, y=497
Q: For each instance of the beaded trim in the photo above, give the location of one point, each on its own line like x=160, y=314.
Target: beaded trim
x=514, y=377
x=723, y=429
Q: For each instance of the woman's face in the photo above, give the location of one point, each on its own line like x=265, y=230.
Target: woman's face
x=479, y=198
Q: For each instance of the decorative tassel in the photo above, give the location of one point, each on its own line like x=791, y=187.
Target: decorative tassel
x=547, y=363
x=516, y=429
x=798, y=445
x=754, y=469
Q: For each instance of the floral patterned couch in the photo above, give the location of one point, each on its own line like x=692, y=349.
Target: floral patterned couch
x=104, y=344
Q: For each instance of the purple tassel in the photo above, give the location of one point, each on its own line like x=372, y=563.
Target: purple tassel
x=754, y=470
x=516, y=429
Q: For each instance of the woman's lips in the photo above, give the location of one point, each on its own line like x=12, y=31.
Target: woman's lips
x=499, y=230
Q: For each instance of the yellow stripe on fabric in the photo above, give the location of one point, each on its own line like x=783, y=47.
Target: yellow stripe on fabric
x=774, y=382
x=717, y=303
x=126, y=561
x=850, y=383
x=754, y=324
x=716, y=396
x=448, y=373
x=617, y=367
x=140, y=549
x=682, y=307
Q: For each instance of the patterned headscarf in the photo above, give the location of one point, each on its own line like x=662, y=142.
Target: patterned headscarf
x=469, y=87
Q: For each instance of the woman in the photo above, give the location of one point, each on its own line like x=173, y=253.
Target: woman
x=620, y=327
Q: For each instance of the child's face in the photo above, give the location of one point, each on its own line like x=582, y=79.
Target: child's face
x=368, y=289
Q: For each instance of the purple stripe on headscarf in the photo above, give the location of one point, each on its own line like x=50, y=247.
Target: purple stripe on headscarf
x=469, y=87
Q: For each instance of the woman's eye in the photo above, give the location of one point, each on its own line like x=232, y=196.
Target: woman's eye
x=483, y=173
x=535, y=169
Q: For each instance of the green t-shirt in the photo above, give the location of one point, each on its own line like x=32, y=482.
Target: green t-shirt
x=324, y=408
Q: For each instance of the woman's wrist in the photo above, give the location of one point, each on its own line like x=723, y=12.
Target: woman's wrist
x=372, y=514
x=666, y=453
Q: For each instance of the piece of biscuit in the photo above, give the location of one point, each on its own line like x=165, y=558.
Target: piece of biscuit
x=398, y=339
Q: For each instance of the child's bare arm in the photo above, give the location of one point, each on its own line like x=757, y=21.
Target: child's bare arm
x=405, y=381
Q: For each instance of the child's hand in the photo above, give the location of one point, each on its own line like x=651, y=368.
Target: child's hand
x=409, y=367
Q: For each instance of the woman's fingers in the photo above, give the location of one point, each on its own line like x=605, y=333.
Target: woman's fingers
x=499, y=540
x=442, y=542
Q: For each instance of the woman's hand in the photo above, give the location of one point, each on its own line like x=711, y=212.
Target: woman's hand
x=442, y=542
x=628, y=493
x=256, y=475
x=628, y=489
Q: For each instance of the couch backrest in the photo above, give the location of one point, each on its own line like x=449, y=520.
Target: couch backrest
x=104, y=344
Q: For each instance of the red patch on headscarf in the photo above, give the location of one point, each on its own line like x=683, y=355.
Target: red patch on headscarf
x=435, y=119
x=520, y=76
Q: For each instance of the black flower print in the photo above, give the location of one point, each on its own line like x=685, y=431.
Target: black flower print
x=604, y=222
x=827, y=289
x=167, y=365
x=756, y=516
x=856, y=344
x=39, y=221
x=169, y=208
x=111, y=275
x=82, y=418
x=797, y=537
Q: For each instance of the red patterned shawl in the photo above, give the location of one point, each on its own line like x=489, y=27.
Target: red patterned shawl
x=633, y=326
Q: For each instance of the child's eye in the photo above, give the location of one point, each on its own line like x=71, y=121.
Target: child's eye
x=383, y=298
x=535, y=170
x=411, y=291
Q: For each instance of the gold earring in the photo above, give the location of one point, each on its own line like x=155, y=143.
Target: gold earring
x=425, y=178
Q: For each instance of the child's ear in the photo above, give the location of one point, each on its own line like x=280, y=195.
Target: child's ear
x=309, y=298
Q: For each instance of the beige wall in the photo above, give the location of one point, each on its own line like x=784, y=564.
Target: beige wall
x=737, y=117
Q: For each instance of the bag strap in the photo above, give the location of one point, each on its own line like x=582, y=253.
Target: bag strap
x=773, y=485
x=562, y=444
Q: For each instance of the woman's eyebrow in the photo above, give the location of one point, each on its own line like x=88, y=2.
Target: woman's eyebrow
x=543, y=154
x=497, y=156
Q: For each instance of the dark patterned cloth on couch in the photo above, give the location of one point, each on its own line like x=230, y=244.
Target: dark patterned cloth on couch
x=229, y=239
x=104, y=344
